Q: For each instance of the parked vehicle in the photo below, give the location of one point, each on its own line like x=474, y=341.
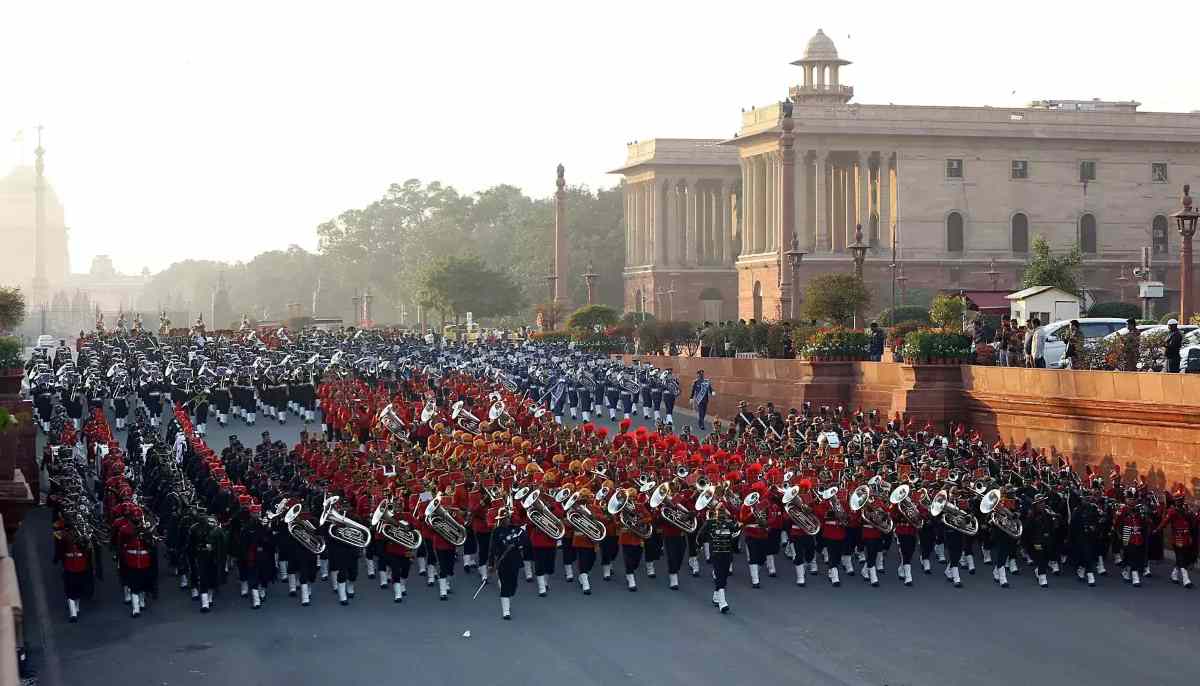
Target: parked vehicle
x=1091, y=327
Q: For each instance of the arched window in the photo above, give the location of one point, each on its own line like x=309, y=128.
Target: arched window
x=954, y=232
x=758, y=304
x=1159, y=234
x=1020, y=233
x=874, y=230
x=638, y=305
x=1087, y=234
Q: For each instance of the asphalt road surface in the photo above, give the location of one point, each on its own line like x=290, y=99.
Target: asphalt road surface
x=928, y=634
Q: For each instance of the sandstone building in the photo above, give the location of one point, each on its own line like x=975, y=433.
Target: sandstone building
x=961, y=192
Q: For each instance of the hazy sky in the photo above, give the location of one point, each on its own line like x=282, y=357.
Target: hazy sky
x=221, y=129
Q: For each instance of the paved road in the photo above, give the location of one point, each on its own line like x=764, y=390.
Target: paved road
x=927, y=634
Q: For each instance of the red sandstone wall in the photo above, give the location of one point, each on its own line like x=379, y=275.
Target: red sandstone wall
x=1144, y=423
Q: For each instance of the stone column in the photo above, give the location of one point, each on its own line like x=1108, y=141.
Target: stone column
x=652, y=220
x=821, y=201
x=885, y=198
x=667, y=238
x=801, y=207
x=838, y=234
x=747, y=206
x=763, y=215
x=693, y=213
x=864, y=189
x=629, y=234
x=727, y=220
x=772, y=200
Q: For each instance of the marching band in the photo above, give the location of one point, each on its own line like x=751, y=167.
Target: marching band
x=462, y=460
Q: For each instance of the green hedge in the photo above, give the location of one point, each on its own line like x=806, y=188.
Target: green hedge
x=930, y=346
x=1115, y=309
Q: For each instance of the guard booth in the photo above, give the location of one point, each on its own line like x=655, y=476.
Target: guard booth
x=1046, y=303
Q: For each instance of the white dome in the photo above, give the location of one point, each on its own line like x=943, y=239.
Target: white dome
x=820, y=48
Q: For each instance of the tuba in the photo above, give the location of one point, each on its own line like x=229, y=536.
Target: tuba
x=464, y=419
x=341, y=527
x=539, y=515
x=622, y=505
x=1001, y=517
x=676, y=515
x=799, y=512
x=303, y=530
x=390, y=420
x=900, y=498
x=835, y=504
x=581, y=518
x=383, y=522
x=498, y=415
x=951, y=515
x=443, y=524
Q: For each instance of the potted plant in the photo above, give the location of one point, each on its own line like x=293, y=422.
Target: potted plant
x=11, y=365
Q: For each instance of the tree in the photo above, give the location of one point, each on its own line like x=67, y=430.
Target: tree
x=947, y=310
x=457, y=285
x=904, y=313
x=12, y=308
x=588, y=317
x=1047, y=269
x=835, y=298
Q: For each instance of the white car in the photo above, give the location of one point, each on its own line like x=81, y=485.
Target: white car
x=1091, y=327
x=1156, y=329
x=1190, y=349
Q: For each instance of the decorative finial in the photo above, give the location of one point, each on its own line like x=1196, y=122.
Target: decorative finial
x=858, y=234
x=561, y=181
x=1187, y=199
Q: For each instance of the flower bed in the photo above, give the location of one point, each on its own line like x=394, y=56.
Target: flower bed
x=837, y=345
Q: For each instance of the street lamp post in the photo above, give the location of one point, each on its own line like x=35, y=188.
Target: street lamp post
x=794, y=256
x=859, y=251
x=992, y=273
x=589, y=278
x=901, y=280
x=1185, y=219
